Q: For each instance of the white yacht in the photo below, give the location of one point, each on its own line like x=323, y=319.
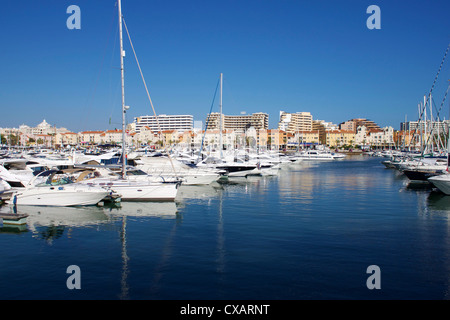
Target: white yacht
x=233, y=167
x=319, y=155
x=442, y=182
x=58, y=190
x=135, y=187
x=19, y=172
x=172, y=168
x=3, y=187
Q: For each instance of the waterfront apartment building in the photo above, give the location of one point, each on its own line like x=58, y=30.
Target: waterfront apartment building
x=165, y=122
x=322, y=127
x=303, y=138
x=374, y=137
x=91, y=137
x=257, y=120
x=435, y=126
x=293, y=122
x=66, y=138
x=353, y=124
x=339, y=138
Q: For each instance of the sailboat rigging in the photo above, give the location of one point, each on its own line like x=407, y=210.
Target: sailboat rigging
x=143, y=188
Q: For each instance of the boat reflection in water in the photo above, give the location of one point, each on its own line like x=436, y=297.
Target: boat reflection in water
x=50, y=223
x=127, y=211
x=68, y=217
x=438, y=201
x=165, y=210
x=199, y=191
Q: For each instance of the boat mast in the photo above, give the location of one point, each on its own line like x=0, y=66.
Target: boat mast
x=221, y=117
x=122, y=54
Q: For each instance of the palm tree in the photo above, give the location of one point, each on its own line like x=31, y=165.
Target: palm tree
x=337, y=142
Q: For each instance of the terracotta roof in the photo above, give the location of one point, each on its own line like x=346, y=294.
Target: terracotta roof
x=88, y=132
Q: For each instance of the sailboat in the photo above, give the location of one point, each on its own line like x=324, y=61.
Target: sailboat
x=131, y=189
x=233, y=166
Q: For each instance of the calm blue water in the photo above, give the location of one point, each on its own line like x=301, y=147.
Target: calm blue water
x=309, y=233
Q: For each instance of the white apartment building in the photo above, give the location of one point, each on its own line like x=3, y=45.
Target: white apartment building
x=435, y=126
x=374, y=137
x=292, y=122
x=165, y=122
x=258, y=120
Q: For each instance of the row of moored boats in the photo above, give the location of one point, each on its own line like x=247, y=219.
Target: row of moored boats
x=51, y=178
x=429, y=168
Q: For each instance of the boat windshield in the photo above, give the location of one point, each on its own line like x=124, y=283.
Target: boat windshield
x=56, y=181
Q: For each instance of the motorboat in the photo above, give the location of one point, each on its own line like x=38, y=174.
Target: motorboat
x=19, y=172
x=132, y=187
x=422, y=174
x=441, y=182
x=319, y=155
x=58, y=190
x=235, y=167
x=240, y=169
x=168, y=168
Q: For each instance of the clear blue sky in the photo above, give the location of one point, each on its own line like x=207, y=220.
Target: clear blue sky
x=315, y=56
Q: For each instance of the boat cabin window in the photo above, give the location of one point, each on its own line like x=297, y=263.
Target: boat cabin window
x=37, y=170
x=136, y=173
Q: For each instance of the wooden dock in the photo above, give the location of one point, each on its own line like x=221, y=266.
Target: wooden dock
x=13, y=218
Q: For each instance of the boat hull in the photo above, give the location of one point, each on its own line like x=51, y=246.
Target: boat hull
x=419, y=175
x=199, y=179
x=442, y=182
x=145, y=192
x=240, y=171
x=55, y=197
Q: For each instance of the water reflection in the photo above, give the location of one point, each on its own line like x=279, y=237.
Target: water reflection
x=160, y=210
x=50, y=223
x=356, y=177
x=438, y=201
x=418, y=185
x=433, y=231
x=163, y=210
x=213, y=240
x=13, y=229
x=199, y=191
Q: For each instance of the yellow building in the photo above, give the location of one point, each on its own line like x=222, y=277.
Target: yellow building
x=262, y=138
x=308, y=136
x=339, y=138
x=66, y=138
x=170, y=137
x=276, y=139
x=92, y=137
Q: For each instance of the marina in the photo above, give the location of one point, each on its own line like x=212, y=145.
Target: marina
x=308, y=233
x=212, y=199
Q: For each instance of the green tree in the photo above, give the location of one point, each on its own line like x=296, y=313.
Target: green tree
x=269, y=142
x=13, y=139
